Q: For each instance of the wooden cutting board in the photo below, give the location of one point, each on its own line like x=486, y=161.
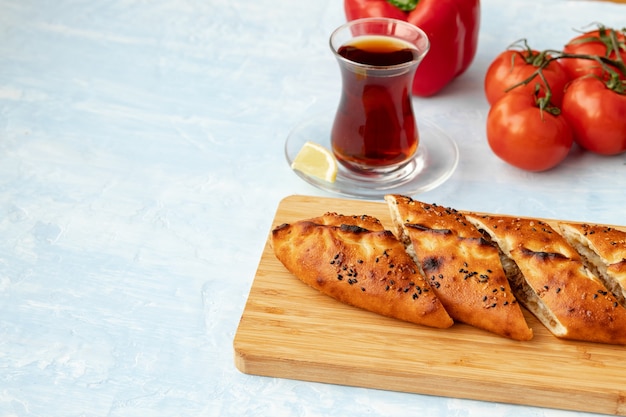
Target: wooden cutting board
x=289, y=330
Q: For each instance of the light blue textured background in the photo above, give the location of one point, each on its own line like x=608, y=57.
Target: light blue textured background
x=141, y=162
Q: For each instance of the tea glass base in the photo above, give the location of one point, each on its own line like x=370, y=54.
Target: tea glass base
x=434, y=162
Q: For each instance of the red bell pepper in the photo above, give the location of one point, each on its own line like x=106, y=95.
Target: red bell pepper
x=451, y=25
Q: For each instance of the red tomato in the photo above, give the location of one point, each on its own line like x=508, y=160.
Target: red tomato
x=596, y=42
x=523, y=135
x=512, y=67
x=597, y=115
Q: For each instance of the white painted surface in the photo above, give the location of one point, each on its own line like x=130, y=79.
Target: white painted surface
x=141, y=162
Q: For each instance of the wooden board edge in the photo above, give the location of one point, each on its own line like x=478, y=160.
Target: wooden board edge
x=492, y=391
x=611, y=402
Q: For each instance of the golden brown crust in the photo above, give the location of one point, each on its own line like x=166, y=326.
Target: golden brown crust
x=463, y=268
x=359, y=267
x=609, y=242
x=334, y=219
x=561, y=292
x=431, y=216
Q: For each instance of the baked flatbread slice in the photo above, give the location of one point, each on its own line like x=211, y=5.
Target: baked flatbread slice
x=369, y=269
x=463, y=268
x=550, y=279
x=603, y=250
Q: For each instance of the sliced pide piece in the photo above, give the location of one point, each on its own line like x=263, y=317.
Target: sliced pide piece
x=551, y=281
x=603, y=249
x=369, y=269
x=463, y=268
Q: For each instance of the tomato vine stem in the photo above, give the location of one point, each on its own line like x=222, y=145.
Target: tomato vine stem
x=615, y=69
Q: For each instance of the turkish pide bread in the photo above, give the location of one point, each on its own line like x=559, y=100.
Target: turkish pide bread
x=551, y=281
x=342, y=257
x=603, y=250
x=463, y=269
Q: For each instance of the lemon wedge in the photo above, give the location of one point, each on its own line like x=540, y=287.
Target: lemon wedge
x=316, y=161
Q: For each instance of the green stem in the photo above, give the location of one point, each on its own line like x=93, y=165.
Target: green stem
x=617, y=48
x=544, y=102
x=614, y=82
x=404, y=5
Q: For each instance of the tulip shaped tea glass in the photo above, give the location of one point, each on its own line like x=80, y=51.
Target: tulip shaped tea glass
x=374, y=132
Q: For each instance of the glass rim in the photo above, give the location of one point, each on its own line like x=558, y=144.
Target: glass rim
x=420, y=34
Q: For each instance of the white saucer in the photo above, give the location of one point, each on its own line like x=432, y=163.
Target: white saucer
x=436, y=159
